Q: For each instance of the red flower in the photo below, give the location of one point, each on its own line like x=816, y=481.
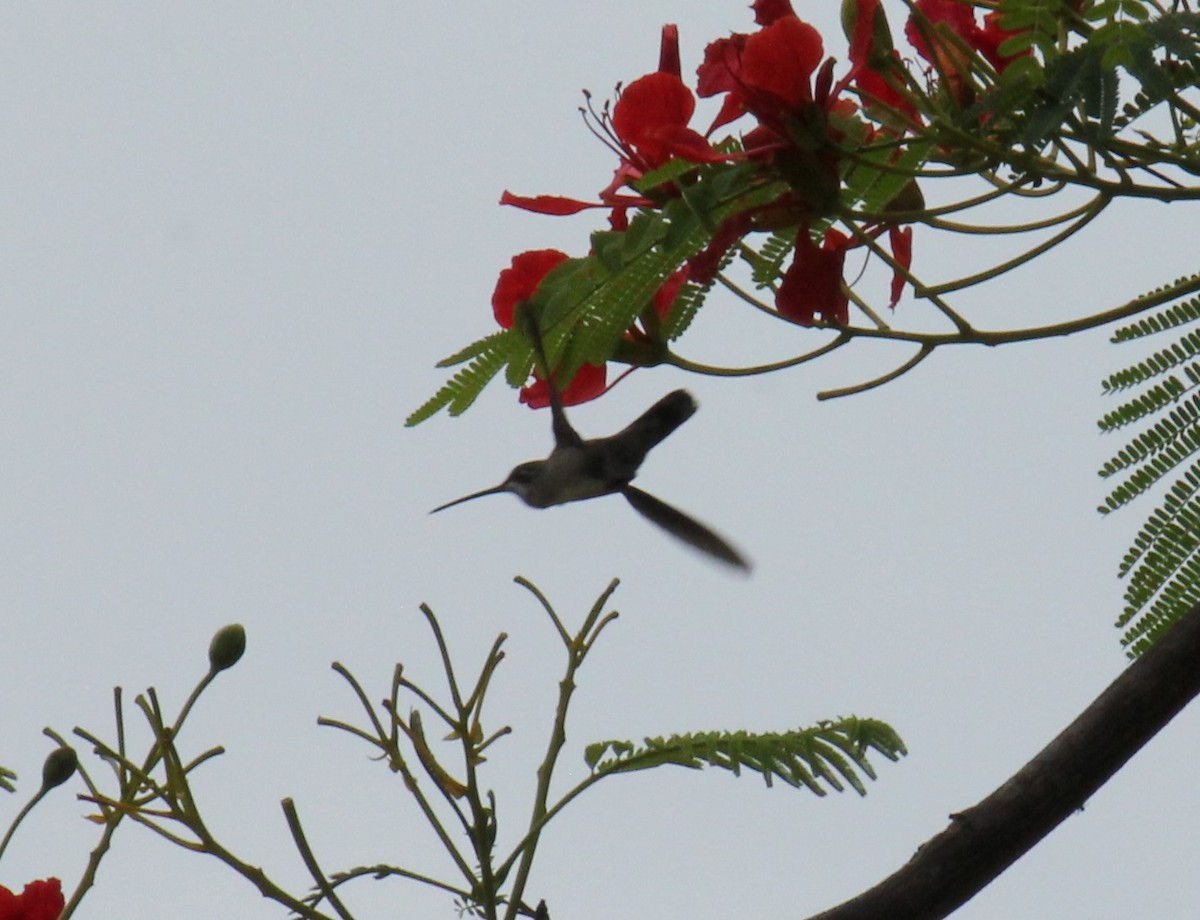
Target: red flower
x=589, y=382
x=777, y=76
x=959, y=18
x=650, y=121
x=812, y=289
x=812, y=286
x=41, y=900
x=767, y=73
x=778, y=63
x=517, y=284
x=648, y=126
x=520, y=280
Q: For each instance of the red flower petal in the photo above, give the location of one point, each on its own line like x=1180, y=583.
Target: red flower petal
x=862, y=43
x=721, y=67
x=519, y=281
x=767, y=11
x=812, y=285
x=876, y=88
x=554, y=205
x=959, y=17
x=40, y=900
x=664, y=297
x=731, y=110
x=780, y=59
x=901, y=240
x=650, y=112
x=703, y=265
x=587, y=384
x=668, y=51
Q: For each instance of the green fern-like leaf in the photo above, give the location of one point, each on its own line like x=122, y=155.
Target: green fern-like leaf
x=1171, y=587
x=1152, y=469
x=1156, y=398
x=1175, y=504
x=1162, y=566
x=828, y=756
x=585, y=306
x=768, y=266
x=1157, y=364
x=483, y=346
x=687, y=304
x=1179, y=34
x=1180, y=314
x=1174, y=437
x=1100, y=98
x=594, y=317
x=1068, y=78
x=1034, y=23
x=881, y=175
x=1182, y=74
x=489, y=357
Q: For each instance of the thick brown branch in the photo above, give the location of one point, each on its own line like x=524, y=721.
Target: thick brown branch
x=983, y=841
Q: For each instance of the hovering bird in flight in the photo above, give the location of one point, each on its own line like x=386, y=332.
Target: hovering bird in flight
x=579, y=469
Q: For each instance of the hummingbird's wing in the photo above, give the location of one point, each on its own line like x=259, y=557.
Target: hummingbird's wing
x=564, y=434
x=630, y=445
x=687, y=529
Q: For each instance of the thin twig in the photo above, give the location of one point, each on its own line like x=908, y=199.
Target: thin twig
x=310, y=859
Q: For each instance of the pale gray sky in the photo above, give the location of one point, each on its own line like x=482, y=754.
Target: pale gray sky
x=237, y=237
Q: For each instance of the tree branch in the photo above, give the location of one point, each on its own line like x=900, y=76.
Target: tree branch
x=983, y=841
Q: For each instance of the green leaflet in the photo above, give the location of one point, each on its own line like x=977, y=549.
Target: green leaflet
x=1175, y=355
x=687, y=302
x=1179, y=314
x=877, y=179
x=831, y=755
x=489, y=354
x=768, y=265
x=1162, y=409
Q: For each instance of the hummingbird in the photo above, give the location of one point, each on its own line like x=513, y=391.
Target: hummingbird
x=579, y=469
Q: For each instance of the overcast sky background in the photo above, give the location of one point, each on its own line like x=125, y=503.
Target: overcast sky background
x=237, y=237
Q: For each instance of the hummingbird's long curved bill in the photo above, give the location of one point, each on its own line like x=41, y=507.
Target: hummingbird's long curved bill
x=466, y=498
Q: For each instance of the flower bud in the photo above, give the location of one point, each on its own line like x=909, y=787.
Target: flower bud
x=227, y=647
x=59, y=767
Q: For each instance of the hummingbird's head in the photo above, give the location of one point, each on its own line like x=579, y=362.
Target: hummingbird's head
x=520, y=481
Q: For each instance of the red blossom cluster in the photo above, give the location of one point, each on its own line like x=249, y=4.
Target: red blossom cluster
x=40, y=900
x=804, y=122
x=517, y=284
